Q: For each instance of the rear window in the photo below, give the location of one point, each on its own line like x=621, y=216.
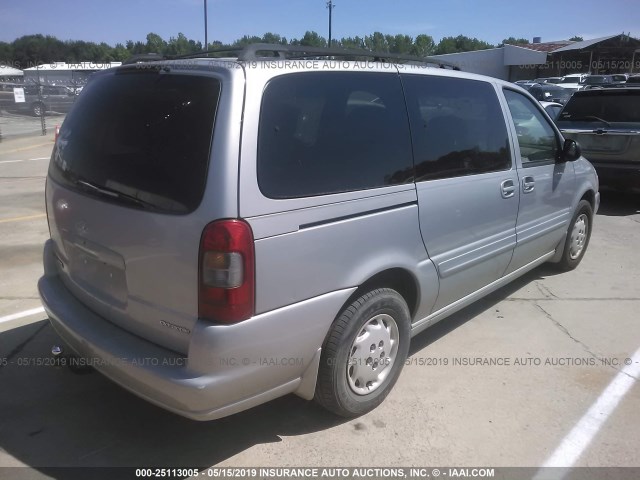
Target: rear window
x=140, y=138
x=611, y=106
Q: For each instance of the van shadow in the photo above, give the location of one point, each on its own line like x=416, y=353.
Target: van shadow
x=52, y=418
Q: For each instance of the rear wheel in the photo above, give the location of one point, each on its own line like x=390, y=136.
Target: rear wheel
x=578, y=236
x=364, y=353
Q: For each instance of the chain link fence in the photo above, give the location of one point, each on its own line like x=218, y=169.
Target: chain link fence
x=33, y=108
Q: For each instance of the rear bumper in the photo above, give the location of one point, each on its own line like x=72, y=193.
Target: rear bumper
x=621, y=175
x=228, y=369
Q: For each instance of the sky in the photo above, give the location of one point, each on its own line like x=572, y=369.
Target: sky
x=116, y=21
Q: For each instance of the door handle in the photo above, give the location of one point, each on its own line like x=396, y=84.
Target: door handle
x=528, y=184
x=507, y=188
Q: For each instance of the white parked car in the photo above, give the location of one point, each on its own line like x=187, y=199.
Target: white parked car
x=575, y=81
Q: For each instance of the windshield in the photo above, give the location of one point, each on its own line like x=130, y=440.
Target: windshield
x=140, y=138
x=612, y=107
x=570, y=80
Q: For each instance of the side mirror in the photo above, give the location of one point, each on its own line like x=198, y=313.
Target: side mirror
x=571, y=150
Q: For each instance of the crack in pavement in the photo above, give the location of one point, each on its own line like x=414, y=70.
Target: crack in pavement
x=544, y=290
x=586, y=348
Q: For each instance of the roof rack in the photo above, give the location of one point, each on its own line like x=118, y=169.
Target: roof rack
x=251, y=53
x=262, y=51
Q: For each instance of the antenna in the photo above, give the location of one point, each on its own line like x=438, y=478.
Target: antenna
x=330, y=6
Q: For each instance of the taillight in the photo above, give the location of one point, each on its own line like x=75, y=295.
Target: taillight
x=227, y=272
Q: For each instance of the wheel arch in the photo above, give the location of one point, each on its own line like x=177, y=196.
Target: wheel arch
x=397, y=278
x=589, y=196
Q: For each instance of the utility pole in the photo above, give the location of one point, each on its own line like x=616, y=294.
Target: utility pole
x=206, y=42
x=330, y=6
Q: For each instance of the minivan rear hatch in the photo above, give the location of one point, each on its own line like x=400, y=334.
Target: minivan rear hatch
x=605, y=122
x=128, y=169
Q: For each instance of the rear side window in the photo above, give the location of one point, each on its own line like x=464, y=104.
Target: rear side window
x=323, y=133
x=140, y=138
x=457, y=127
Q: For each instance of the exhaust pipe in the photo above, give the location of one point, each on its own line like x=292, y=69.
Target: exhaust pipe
x=76, y=364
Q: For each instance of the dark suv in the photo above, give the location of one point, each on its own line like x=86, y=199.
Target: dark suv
x=606, y=122
x=51, y=98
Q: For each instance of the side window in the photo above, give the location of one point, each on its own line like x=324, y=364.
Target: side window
x=330, y=132
x=457, y=127
x=536, y=138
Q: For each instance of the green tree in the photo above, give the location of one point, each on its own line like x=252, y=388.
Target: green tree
x=576, y=39
x=351, y=42
x=29, y=50
x=6, y=53
x=377, y=42
x=120, y=53
x=460, y=43
x=423, y=46
x=312, y=39
x=246, y=40
x=155, y=43
x=514, y=41
x=135, y=48
x=401, y=44
x=181, y=45
x=273, y=38
x=32, y=49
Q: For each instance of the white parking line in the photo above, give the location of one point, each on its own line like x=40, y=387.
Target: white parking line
x=26, y=313
x=579, y=438
x=25, y=160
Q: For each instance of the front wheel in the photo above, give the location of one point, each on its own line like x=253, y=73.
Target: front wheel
x=578, y=236
x=364, y=353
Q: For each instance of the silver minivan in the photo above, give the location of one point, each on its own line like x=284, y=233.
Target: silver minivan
x=225, y=232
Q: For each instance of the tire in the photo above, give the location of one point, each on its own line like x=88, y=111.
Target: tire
x=364, y=353
x=578, y=237
x=37, y=109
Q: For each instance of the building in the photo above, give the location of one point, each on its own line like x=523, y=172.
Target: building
x=605, y=55
x=61, y=73
x=10, y=74
x=501, y=62
x=611, y=54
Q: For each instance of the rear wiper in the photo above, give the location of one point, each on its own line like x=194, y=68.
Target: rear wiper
x=109, y=192
x=588, y=118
